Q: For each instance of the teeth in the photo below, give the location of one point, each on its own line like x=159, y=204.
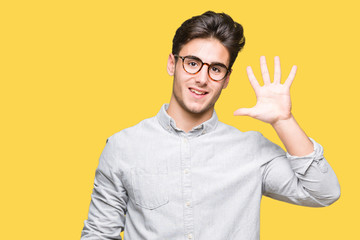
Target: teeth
x=197, y=92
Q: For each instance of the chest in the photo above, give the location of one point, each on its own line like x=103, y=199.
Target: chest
x=190, y=168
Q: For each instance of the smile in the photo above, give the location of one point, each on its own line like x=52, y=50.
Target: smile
x=198, y=92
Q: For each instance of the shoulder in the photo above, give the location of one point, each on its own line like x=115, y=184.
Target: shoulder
x=142, y=128
x=122, y=145
x=254, y=141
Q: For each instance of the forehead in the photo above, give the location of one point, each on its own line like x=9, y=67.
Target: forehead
x=208, y=50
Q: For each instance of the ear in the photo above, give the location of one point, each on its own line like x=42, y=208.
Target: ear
x=171, y=65
x=226, y=81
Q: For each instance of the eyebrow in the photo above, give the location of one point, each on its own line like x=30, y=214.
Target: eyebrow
x=212, y=63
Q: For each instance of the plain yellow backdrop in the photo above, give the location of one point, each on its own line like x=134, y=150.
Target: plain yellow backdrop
x=75, y=72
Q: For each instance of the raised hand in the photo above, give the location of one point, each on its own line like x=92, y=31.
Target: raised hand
x=273, y=98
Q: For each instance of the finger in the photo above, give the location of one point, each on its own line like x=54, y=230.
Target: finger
x=291, y=76
x=264, y=70
x=277, y=72
x=243, y=112
x=254, y=83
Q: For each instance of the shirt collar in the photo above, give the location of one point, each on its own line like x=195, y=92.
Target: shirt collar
x=169, y=124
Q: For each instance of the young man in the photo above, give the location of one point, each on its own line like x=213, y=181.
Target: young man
x=184, y=175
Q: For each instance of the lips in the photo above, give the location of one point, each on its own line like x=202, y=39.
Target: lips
x=198, y=91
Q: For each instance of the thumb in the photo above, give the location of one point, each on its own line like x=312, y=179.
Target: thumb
x=243, y=112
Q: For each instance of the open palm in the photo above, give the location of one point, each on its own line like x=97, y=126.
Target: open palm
x=273, y=98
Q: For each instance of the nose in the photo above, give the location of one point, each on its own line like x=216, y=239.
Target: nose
x=202, y=76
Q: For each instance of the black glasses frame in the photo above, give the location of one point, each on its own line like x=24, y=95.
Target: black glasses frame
x=202, y=64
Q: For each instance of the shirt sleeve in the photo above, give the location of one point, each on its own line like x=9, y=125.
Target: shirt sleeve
x=307, y=181
x=106, y=218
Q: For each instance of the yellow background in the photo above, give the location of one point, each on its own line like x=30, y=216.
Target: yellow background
x=75, y=72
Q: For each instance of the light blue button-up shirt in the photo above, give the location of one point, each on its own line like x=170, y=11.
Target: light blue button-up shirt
x=157, y=182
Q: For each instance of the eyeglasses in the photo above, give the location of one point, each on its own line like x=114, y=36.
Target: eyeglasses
x=193, y=65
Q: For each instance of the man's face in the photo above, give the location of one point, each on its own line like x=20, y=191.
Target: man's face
x=198, y=93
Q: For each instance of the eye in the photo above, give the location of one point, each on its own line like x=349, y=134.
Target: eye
x=192, y=63
x=215, y=69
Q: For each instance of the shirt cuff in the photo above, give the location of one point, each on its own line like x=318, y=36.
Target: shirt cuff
x=302, y=164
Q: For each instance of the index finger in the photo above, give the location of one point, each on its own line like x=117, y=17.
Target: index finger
x=291, y=76
x=253, y=81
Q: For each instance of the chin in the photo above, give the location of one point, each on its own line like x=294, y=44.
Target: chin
x=197, y=109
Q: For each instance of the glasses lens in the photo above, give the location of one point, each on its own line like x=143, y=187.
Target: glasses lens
x=217, y=72
x=192, y=65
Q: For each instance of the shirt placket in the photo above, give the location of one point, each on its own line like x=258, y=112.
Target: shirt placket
x=187, y=187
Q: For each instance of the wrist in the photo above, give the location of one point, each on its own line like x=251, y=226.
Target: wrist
x=283, y=122
x=295, y=140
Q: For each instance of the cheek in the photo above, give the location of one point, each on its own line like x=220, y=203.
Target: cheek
x=178, y=87
x=217, y=87
x=180, y=82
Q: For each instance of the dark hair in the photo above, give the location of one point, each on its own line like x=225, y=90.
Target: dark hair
x=211, y=25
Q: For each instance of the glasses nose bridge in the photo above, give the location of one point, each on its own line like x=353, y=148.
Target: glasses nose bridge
x=202, y=65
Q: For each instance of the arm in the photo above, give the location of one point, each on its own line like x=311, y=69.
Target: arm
x=295, y=140
x=106, y=218
x=301, y=179
x=307, y=181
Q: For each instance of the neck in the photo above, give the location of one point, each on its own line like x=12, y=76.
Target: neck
x=186, y=120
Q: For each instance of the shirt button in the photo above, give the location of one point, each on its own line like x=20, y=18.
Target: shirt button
x=188, y=204
x=190, y=236
x=186, y=171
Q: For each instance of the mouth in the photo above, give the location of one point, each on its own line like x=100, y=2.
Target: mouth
x=198, y=92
